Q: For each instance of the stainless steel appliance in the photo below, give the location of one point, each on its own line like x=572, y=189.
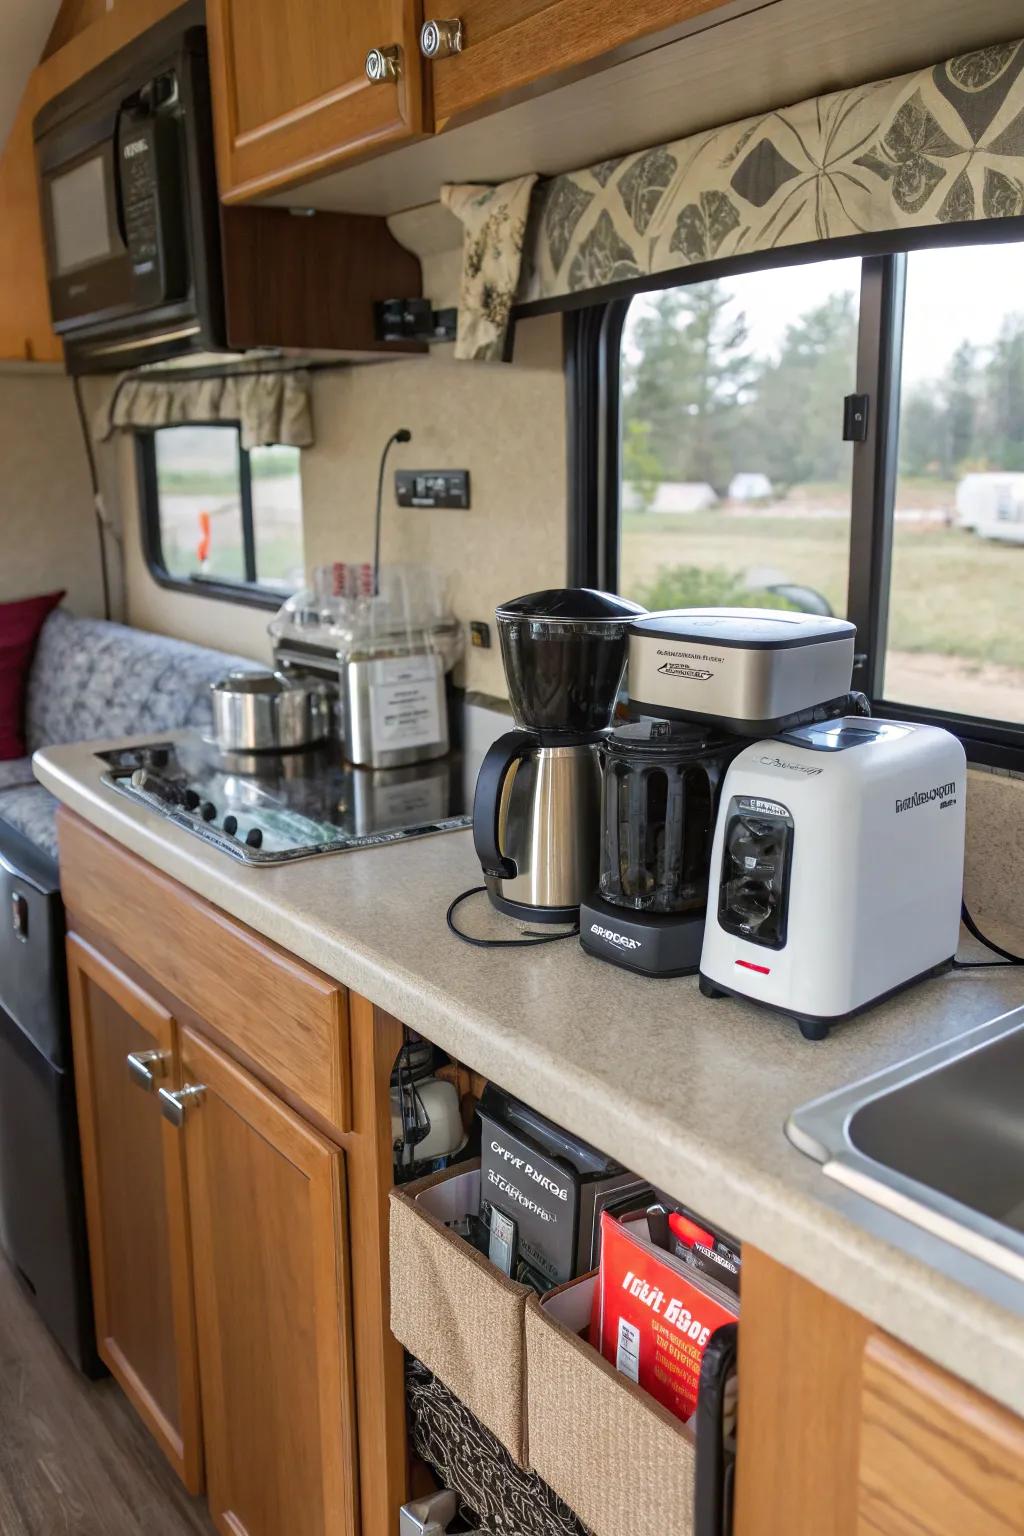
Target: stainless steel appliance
x=537, y=803
x=749, y=670
x=128, y=192
x=268, y=712
x=659, y=801
x=269, y=808
x=395, y=708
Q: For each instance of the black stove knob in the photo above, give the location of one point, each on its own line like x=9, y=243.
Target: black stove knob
x=190, y=800
x=230, y=825
x=208, y=810
x=254, y=837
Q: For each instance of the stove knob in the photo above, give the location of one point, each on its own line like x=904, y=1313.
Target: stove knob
x=254, y=837
x=208, y=811
x=230, y=825
x=191, y=800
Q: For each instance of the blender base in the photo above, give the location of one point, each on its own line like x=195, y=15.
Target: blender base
x=651, y=943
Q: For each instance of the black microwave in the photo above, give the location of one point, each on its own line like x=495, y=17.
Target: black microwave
x=130, y=213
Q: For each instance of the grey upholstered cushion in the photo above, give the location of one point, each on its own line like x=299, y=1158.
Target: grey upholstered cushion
x=16, y=772
x=32, y=811
x=90, y=679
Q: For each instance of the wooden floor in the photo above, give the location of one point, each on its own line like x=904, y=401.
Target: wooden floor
x=74, y=1459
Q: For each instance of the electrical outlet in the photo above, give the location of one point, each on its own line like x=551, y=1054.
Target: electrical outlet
x=432, y=487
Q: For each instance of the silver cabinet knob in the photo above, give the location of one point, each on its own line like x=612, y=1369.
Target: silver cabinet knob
x=440, y=39
x=383, y=64
x=175, y=1105
x=144, y=1067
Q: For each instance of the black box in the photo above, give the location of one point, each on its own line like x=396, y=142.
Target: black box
x=551, y=1187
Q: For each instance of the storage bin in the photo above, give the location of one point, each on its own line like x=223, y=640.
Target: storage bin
x=622, y=1462
x=453, y=1310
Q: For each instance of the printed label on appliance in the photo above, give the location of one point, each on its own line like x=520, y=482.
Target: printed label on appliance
x=627, y=1356
x=404, y=706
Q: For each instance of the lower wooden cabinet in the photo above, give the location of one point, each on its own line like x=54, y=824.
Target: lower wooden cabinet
x=218, y=1233
x=270, y=1261
x=133, y=1163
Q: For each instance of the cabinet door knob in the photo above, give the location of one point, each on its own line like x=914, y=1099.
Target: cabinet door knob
x=440, y=39
x=383, y=64
x=175, y=1104
x=144, y=1067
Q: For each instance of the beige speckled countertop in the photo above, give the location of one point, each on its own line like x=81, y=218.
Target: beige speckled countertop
x=692, y=1094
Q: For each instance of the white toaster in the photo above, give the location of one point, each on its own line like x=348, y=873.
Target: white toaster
x=836, y=867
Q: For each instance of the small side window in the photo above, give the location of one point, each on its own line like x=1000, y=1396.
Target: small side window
x=218, y=519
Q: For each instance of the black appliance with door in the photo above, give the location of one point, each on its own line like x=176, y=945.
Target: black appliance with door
x=128, y=194
x=42, y=1208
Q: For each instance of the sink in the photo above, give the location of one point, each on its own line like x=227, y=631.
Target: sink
x=938, y=1140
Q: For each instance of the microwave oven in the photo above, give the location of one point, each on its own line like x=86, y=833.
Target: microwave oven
x=130, y=213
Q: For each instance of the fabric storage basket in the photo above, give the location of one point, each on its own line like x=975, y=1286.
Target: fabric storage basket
x=453, y=1310
x=622, y=1462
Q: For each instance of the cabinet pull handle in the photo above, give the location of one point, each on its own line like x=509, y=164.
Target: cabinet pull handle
x=440, y=39
x=144, y=1067
x=175, y=1103
x=384, y=64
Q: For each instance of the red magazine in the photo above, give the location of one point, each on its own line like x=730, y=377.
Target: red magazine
x=654, y=1315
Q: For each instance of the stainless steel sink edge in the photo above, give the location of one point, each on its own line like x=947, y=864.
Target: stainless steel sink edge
x=820, y=1130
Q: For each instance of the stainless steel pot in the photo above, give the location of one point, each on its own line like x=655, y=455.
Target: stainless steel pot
x=267, y=712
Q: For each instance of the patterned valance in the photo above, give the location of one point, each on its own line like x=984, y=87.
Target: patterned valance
x=271, y=405
x=939, y=146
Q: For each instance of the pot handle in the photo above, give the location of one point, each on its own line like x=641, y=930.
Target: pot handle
x=499, y=758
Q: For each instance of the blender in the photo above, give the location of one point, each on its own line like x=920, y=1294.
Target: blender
x=536, y=813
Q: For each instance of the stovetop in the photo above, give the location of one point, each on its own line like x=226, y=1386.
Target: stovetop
x=269, y=808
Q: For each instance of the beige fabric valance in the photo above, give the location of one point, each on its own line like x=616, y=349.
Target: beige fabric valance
x=272, y=406
x=939, y=146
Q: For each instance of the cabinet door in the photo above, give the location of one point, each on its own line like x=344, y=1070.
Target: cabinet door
x=510, y=45
x=270, y=1246
x=290, y=91
x=135, y=1204
x=936, y=1458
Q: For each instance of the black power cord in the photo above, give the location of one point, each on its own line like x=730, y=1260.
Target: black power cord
x=528, y=939
x=1008, y=957
x=403, y=435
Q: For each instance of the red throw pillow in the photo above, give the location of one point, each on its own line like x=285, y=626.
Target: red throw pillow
x=20, y=624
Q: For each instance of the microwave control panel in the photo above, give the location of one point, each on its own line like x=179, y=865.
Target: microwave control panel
x=151, y=194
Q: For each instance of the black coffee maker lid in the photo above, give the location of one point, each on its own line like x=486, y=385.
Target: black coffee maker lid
x=649, y=739
x=570, y=605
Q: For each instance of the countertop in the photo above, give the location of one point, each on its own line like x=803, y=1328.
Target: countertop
x=693, y=1094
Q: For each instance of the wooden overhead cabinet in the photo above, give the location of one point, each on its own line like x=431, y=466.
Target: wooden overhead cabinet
x=292, y=95
x=486, y=53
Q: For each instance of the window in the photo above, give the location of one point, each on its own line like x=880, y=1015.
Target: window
x=714, y=468
x=221, y=519
x=735, y=477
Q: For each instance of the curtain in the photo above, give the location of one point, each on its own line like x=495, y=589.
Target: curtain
x=494, y=224
x=273, y=406
x=942, y=145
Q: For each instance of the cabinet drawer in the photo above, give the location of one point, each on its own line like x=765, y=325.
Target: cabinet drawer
x=286, y=1019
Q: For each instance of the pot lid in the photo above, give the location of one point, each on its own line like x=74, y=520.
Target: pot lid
x=569, y=605
x=256, y=683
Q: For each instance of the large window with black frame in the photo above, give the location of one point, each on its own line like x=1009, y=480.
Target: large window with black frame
x=735, y=484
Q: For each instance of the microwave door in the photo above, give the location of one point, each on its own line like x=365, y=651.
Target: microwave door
x=89, y=265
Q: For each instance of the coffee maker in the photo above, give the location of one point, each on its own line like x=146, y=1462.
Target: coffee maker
x=538, y=795
x=703, y=682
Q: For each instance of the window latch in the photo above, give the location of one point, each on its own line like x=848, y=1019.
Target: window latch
x=855, y=418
